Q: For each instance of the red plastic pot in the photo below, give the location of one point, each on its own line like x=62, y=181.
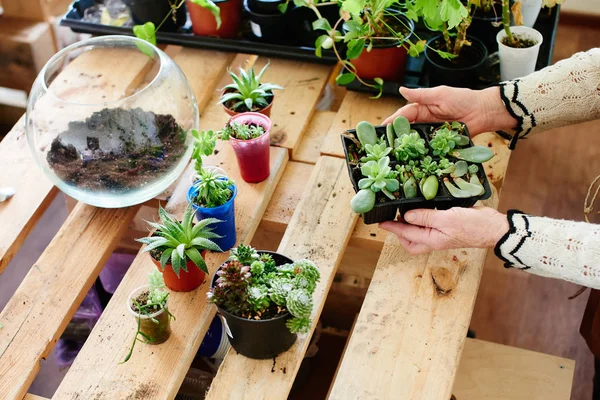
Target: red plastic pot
x=253, y=155
x=265, y=111
x=385, y=61
x=204, y=24
x=187, y=281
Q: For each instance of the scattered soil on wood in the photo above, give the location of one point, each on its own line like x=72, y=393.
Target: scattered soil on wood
x=117, y=150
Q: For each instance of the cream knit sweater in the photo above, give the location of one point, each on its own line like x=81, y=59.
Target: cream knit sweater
x=563, y=94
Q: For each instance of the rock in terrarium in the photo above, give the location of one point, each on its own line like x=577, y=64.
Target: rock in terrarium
x=108, y=121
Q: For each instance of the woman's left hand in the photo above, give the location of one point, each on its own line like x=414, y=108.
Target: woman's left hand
x=427, y=230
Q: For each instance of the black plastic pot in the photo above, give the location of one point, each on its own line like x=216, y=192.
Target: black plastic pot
x=155, y=11
x=302, y=18
x=259, y=339
x=481, y=27
x=387, y=210
x=463, y=71
x=269, y=28
x=265, y=6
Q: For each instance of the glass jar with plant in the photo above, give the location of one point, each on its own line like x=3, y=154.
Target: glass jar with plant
x=248, y=94
x=518, y=46
x=148, y=304
x=265, y=299
x=178, y=248
x=462, y=56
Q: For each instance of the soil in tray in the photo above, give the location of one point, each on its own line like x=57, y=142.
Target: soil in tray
x=521, y=42
x=117, y=150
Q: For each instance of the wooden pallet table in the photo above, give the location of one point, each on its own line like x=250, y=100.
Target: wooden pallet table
x=407, y=340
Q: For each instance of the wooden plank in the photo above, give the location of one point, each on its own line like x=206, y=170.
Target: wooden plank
x=29, y=396
x=309, y=148
x=25, y=46
x=357, y=107
x=293, y=107
x=44, y=303
x=36, y=10
x=412, y=325
x=156, y=372
x=493, y=371
x=319, y=231
x=34, y=192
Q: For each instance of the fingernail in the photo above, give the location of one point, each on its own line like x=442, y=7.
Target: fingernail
x=409, y=217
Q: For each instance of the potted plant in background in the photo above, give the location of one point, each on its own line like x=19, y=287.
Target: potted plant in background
x=248, y=94
x=518, y=46
x=267, y=22
x=148, y=304
x=461, y=56
x=178, y=248
x=212, y=195
x=486, y=19
x=221, y=18
x=164, y=14
x=378, y=39
x=168, y=15
x=265, y=299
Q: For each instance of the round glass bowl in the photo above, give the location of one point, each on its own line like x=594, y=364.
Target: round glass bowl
x=108, y=121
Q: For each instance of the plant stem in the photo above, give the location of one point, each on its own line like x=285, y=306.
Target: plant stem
x=461, y=37
x=506, y=21
x=446, y=36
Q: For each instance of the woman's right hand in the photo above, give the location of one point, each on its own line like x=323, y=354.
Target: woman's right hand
x=482, y=110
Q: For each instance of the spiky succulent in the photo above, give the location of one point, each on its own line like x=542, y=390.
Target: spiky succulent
x=213, y=188
x=245, y=287
x=179, y=241
x=376, y=152
x=241, y=131
x=409, y=147
x=247, y=93
x=244, y=254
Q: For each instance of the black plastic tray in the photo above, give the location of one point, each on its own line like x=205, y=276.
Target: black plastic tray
x=74, y=20
x=416, y=74
x=387, y=210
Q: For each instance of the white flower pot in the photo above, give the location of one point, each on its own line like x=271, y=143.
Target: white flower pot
x=530, y=9
x=516, y=63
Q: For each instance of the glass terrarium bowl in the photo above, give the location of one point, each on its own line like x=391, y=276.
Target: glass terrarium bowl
x=108, y=121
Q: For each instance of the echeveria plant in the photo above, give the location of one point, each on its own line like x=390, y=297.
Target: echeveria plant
x=251, y=286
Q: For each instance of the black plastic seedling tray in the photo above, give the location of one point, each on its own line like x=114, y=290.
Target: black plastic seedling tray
x=387, y=210
x=416, y=74
x=245, y=44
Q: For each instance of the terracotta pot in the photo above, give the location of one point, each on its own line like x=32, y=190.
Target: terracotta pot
x=187, y=281
x=385, y=61
x=265, y=111
x=204, y=24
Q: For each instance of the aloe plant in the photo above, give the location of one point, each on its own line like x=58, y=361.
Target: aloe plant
x=179, y=241
x=247, y=92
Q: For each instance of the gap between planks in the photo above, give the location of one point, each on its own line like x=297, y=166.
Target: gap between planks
x=319, y=230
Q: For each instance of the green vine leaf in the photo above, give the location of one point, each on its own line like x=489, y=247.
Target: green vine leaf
x=354, y=6
x=355, y=48
x=323, y=24
x=212, y=7
x=146, y=32
x=345, y=79
x=283, y=7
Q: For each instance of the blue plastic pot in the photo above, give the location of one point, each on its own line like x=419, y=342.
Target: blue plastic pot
x=225, y=213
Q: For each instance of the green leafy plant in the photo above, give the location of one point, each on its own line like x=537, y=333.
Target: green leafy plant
x=156, y=300
x=376, y=152
x=364, y=23
x=148, y=30
x=213, y=189
x=251, y=286
x=247, y=93
x=175, y=242
x=241, y=131
x=447, y=137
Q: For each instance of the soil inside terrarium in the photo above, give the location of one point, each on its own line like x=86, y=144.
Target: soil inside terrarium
x=520, y=41
x=117, y=150
x=242, y=108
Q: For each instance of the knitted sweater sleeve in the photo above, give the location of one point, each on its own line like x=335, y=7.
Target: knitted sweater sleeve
x=565, y=93
x=553, y=248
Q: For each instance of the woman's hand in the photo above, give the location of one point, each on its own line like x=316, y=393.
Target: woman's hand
x=457, y=228
x=481, y=110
